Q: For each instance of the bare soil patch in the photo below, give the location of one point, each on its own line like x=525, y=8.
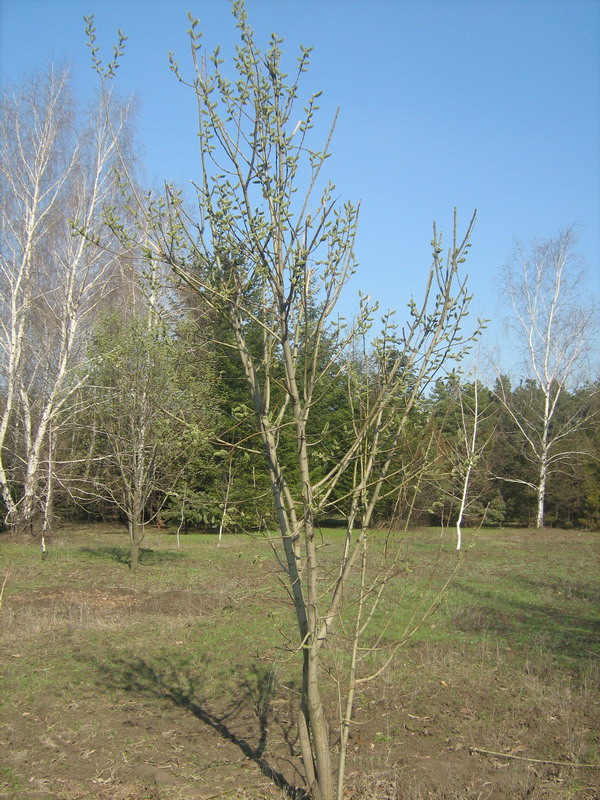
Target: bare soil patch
x=61, y=600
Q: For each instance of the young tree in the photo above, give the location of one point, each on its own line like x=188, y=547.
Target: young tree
x=465, y=434
x=56, y=170
x=554, y=329
x=270, y=251
x=147, y=416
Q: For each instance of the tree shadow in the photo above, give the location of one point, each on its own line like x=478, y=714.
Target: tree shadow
x=180, y=683
x=122, y=555
x=575, y=636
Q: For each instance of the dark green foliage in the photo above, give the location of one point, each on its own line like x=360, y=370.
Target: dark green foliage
x=573, y=479
x=502, y=489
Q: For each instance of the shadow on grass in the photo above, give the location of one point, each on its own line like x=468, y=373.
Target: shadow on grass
x=549, y=626
x=122, y=555
x=176, y=681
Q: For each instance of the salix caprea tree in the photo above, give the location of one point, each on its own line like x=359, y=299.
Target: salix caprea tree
x=270, y=249
x=56, y=171
x=553, y=327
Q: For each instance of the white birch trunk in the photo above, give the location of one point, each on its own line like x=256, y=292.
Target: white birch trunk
x=50, y=174
x=469, y=460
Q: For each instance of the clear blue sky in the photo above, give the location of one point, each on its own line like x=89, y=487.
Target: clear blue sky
x=487, y=104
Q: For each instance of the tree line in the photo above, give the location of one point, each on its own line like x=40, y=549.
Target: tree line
x=123, y=397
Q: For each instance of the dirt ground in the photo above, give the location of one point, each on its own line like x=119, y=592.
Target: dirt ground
x=96, y=719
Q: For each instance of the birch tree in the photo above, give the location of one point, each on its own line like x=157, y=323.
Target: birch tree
x=468, y=449
x=270, y=247
x=55, y=172
x=554, y=327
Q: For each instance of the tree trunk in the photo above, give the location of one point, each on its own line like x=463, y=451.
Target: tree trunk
x=48, y=502
x=541, y=494
x=136, y=534
x=318, y=760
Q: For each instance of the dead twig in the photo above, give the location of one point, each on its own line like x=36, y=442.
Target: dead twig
x=228, y=791
x=533, y=760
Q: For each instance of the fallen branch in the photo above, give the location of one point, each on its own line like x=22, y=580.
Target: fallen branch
x=533, y=760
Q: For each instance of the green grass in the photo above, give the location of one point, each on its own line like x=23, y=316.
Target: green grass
x=509, y=655
x=9, y=779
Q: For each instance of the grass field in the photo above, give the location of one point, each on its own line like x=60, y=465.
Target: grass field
x=176, y=683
